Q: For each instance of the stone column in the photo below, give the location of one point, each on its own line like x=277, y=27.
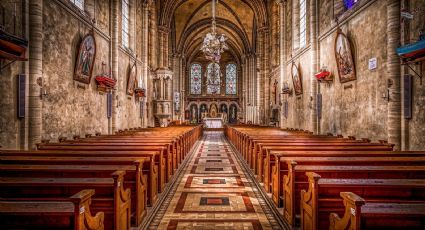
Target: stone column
x=393, y=65
x=260, y=75
x=253, y=84
x=243, y=95
x=182, y=87
x=114, y=48
x=282, y=47
x=145, y=61
x=35, y=72
x=266, y=78
x=404, y=39
x=153, y=40
x=161, y=46
x=176, y=82
x=314, y=42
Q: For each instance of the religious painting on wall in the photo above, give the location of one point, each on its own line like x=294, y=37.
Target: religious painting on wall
x=296, y=79
x=85, y=59
x=344, y=58
x=131, y=80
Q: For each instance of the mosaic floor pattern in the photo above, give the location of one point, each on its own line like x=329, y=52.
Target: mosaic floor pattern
x=213, y=191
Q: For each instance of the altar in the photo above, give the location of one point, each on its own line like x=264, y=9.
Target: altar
x=213, y=123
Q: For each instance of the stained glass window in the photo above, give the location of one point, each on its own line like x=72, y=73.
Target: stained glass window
x=231, y=75
x=79, y=4
x=125, y=22
x=349, y=4
x=303, y=21
x=213, y=78
x=195, y=79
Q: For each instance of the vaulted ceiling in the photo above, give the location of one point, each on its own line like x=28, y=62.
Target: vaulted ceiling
x=190, y=20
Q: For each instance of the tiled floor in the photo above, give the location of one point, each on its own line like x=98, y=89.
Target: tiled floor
x=214, y=192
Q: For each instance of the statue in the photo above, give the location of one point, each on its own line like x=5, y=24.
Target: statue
x=194, y=114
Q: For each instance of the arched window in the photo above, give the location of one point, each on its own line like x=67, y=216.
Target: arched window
x=348, y=4
x=195, y=78
x=78, y=3
x=231, y=76
x=125, y=23
x=213, y=78
x=303, y=23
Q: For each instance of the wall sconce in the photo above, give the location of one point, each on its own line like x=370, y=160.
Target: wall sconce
x=386, y=95
x=286, y=89
x=43, y=93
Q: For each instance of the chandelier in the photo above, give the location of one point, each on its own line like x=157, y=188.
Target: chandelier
x=214, y=44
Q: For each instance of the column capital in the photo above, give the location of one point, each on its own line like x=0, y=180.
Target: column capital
x=263, y=29
x=177, y=55
x=163, y=29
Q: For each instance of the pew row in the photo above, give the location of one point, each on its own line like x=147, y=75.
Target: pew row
x=73, y=213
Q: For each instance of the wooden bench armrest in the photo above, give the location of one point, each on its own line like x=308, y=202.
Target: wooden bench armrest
x=352, y=214
x=83, y=218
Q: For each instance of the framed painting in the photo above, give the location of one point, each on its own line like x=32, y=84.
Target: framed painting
x=85, y=59
x=296, y=79
x=131, y=82
x=344, y=58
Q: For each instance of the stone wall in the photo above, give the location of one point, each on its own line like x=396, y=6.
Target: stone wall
x=357, y=108
x=71, y=108
x=11, y=127
x=414, y=130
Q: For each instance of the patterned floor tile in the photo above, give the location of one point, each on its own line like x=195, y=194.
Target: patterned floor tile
x=214, y=192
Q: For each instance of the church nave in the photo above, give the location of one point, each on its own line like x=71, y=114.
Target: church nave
x=214, y=191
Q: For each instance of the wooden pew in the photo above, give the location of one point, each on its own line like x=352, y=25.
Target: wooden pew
x=116, y=151
x=359, y=214
x=281, y=169
x=162, y=148
x=172, y=147
x=149, y=170
x=261, y=149
x=71, y=214
x=254, y=144
x=323, y=196
x=264, y=168
x=295, y=180
x=131, y=144
x=111, y=196
x=134, y=179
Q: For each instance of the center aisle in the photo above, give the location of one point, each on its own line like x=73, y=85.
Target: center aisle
x=214, y=191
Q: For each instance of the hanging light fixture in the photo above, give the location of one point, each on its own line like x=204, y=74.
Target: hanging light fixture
x=214, y=44
x=212, y=47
